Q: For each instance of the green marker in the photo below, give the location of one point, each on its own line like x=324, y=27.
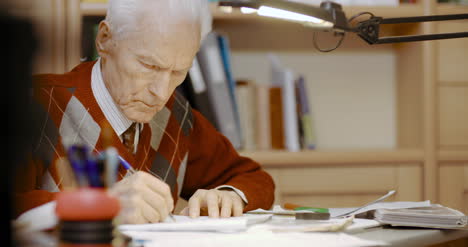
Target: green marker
x=315, y=210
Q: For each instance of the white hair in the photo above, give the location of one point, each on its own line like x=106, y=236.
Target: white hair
x=122, y=14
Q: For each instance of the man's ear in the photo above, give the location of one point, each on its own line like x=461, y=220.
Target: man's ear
x=103, y=39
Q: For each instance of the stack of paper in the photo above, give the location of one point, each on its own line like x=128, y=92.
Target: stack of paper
x=435, y=216
x=345, y=212
x=200, y=224
x=253, y=238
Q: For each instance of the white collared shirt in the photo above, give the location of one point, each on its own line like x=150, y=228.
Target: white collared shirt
x=117, y=119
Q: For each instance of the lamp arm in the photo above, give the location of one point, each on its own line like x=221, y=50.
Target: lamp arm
x=369, y=29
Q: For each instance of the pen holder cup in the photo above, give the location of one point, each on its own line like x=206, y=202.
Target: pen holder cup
x=86, y=216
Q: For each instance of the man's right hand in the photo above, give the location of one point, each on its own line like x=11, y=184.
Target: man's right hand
x=143, y=198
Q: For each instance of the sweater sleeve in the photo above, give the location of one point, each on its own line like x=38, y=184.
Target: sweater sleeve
x=26, y=183
x=213, y=161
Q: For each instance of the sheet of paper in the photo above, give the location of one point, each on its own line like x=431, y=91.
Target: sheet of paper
x=281, y=225
x=37, y=219
x=203, y=223
x=253, y=238
x=381, y=205
x=361, y=224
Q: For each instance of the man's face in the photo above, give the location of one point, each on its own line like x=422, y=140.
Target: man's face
x=142, y=70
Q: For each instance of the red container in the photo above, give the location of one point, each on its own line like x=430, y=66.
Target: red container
x=86, y=204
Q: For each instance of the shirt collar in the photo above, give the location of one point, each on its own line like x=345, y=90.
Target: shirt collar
x=116, y=118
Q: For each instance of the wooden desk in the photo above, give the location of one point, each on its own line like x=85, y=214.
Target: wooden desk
x=413, y=237
x=396, y=237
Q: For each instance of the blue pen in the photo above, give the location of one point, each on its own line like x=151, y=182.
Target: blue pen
x=126, y=165
x=93, y=171
x=76, y=155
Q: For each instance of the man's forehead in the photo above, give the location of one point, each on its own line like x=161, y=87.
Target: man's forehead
x=166, y=56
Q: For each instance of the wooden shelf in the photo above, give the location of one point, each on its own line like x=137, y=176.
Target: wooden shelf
x=453, y=156
x=93, y=9
x=448, y=9
x=99, y=9
x=314, y=158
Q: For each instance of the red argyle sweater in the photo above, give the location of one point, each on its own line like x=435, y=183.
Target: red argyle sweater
x=178, y=144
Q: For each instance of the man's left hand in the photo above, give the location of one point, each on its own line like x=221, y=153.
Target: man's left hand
x=214, y=203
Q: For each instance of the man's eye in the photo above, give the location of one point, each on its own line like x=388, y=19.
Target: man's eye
x=148, y=66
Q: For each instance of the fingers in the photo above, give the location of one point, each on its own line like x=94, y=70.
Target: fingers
x=219, y=203
x=159, y=187
x=212, y=201
x=155, y=202
x=226, y=206
x=238, y=207
x=194, y=204
x=148, y=213
x=145, y=198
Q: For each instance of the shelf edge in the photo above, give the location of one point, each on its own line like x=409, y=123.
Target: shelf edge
x=313, y=158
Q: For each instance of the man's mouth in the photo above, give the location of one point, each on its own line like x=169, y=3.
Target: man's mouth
x=150, y=105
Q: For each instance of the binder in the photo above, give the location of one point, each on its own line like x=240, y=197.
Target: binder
x=225, y=50
x=211, y=64
x=195, y=90
x=305, y=116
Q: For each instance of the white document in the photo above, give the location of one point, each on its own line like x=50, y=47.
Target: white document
x=284, y=77
x=361, y=224
x=40, y=218
x=203, y=223
x=435, y=216
x=254, y=238
x=381, y=205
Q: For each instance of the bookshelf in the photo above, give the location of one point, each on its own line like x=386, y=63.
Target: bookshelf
x=447, y=9
x=431, y=157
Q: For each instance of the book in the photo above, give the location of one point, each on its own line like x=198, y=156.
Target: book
x=276, y=117
x=284, y=78
x=291, y=130
x=434, y=216
x=195, y=91
x=262, y=113
x=305, y=115
x=224, y=46
x=90, y=31
x=211, y=64
x=245, y=93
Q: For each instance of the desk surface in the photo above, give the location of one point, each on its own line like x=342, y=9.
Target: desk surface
x=409, y=237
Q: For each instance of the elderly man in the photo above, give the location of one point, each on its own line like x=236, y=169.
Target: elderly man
x=146, y=48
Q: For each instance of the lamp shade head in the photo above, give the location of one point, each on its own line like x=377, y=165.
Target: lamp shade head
x=329, y=16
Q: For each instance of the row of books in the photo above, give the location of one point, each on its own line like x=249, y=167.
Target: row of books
x=252, y=116
x=275, y=117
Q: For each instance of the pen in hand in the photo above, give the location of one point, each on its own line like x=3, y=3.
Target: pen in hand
x=130, y=169
x=127, y=165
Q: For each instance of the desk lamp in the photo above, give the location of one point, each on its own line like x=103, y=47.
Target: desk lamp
x=330, y=17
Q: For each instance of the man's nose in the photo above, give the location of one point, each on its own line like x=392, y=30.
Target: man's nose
x=160, y=85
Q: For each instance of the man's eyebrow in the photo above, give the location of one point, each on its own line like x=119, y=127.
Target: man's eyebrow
x=152, y=61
